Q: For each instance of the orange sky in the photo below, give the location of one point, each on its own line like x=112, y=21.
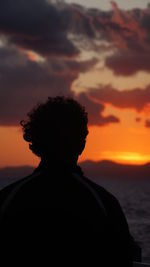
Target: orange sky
x=127, y=142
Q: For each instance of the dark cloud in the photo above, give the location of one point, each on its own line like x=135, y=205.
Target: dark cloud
x=72, y=66
x=130, y=33
x=36, y=25
x=24, y=82
x=128, y=62
x=137, y=98
x=95, y=111
x=24, y=86
x=51, y=28
x=147, y=123
x=45, y=26
x=138, y=119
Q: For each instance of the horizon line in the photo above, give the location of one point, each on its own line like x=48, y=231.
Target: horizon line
x=81, y=162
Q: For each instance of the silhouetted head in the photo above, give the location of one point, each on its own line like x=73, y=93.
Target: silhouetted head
x=57, y=129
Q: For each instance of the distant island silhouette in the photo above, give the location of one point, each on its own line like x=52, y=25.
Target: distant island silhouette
x=113, y=170
x=95, y=170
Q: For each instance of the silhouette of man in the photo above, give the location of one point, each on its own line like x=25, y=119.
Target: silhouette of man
x=56, y=211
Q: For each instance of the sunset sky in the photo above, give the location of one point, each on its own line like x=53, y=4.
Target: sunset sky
x=96, y=51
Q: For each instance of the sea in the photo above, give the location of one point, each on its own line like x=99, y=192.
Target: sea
x=134, y=198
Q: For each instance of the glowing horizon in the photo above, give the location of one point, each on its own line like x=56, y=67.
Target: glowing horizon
x=96, y=149
x=126, y=157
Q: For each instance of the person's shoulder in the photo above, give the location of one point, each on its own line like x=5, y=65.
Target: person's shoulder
x=103, y=192
x=14, y=187
x=110, y=202
x=5, y=191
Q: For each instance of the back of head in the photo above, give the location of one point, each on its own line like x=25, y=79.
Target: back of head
x=56, y=128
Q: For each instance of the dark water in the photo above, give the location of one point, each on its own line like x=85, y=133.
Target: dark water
x=134, y=197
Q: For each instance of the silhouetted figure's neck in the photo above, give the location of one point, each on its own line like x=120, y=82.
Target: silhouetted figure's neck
x=59, y=166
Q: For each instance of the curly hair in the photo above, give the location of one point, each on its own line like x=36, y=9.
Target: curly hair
x=59, y=123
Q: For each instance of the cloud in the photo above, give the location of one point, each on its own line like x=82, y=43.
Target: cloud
x=137, y=98
x=57, y=29
x=130, y=33
x=95, y=111
x=45, y=27
x=138, y=119
x=128, y=62
x=36, y=25
x=147, y=123
x=25, y=82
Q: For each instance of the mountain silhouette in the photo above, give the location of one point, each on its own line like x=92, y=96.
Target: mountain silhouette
x=111, y=170
x=9, y=175
x=95, y=170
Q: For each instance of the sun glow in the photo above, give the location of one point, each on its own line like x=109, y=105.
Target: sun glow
x=127, y=157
